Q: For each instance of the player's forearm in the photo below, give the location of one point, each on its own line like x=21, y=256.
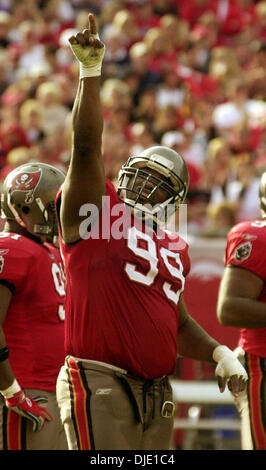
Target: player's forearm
x=7, y=376
x=6, y=373
x=194, y=342
x=242, y=312
x=87, y=119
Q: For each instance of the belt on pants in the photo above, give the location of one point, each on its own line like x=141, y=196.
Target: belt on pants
x=131, y=383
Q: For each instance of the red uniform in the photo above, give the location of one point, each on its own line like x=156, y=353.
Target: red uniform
x=118, y=288
x=123, y=286
x=34, y=325
x=246, y=247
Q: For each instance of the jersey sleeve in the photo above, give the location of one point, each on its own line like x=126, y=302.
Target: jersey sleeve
x=247, y=250
x=15, y=262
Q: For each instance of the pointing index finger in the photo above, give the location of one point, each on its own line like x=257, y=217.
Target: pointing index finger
x=92, y=24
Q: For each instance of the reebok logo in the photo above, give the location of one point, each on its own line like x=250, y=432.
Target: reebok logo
x=103, y=391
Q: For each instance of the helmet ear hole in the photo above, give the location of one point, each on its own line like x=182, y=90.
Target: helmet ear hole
x=25, y=209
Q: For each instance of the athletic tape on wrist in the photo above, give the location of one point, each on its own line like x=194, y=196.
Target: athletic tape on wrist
x=220, y=352
x=89, y=71
x=4, y=353
x=10, y=391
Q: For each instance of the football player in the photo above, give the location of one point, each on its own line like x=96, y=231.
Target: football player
x=124, y=303
x=32, y=293
x=242, y=304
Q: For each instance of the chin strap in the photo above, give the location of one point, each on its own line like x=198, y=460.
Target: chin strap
x=14, y=212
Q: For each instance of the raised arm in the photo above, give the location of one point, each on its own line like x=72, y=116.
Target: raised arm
x=85, y=180
x=194, y=342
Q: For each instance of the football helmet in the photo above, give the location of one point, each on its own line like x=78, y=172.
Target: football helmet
x=28, y=197
x=137, y=186
x=262, y=194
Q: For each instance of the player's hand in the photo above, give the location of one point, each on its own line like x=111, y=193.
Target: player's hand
x=29, y=408
x=229, y=371
x=88, y=49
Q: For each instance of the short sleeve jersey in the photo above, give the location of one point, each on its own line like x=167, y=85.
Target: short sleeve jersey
x=34, y=324
x=246, y=248
x=122, y=292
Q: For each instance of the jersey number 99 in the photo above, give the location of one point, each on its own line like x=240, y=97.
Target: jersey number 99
x=149, y=254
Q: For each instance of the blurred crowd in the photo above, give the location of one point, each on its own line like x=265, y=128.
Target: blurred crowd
x=189, y=75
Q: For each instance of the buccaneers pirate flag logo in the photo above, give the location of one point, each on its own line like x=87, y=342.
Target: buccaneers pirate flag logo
x=25, y=182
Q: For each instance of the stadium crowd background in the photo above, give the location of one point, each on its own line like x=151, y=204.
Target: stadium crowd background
x=190, y=75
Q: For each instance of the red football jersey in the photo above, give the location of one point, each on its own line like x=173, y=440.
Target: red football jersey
x=122, y=293
x=246, y=248
x=34, y=324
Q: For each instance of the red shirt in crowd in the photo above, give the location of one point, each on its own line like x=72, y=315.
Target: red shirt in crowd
x=231, y=15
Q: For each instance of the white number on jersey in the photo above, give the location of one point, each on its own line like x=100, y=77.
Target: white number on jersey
x=58, y=277
x=59, y=282
x=176, y=272
x=259, y=223
x=15, y=236
x=149, y=254
x=61, y=312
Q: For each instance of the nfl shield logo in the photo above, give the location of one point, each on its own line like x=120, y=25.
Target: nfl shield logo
x=243, y=251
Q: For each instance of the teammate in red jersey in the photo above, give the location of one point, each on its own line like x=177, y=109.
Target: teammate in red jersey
x=125, y=278
x=242, y=304
x=32, y=295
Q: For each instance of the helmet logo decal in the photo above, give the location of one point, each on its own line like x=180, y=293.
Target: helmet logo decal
x=25, y=182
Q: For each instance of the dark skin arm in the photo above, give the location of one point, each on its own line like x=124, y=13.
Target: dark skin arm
x=194, y=342
x=6, y=373
x=238, y=303
x=85, y=180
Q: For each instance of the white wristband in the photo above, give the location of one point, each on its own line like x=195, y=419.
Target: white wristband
x=221, y=351
x=10, y=391
x=85, y=71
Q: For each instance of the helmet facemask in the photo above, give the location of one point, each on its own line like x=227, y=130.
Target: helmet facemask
x=138, y=188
